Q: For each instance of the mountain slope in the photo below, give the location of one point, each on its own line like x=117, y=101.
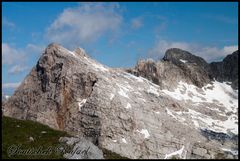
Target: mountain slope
x=128, y=114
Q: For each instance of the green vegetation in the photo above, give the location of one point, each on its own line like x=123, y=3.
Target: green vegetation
x=17, y=133
x=220, y=156
x=111, y=155
x=175, y=157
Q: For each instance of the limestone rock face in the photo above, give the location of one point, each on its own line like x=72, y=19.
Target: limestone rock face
x=129, y=114
x=165, y=74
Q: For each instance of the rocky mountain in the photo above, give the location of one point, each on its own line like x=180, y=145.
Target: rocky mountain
x=164, y=109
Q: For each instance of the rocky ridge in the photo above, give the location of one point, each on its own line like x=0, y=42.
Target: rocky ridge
x=179, y=65
x=127, y=114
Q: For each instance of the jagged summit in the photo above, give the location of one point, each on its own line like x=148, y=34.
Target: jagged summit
x=54, y=45
x=54, y=48
x=128, y=114
x=178, y=55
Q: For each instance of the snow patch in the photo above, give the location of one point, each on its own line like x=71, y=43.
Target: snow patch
x=222, y=94
x=129, y=76
x=111, y=96
x=80, y=104
x=153, y=90
x=234, y=152
x=179, y=152
x=126, y=88
x=142, y=99
x=144, y=132
x=170, y=113
x=180, y=119
x=196, y=124
x=64, y=50
x=124, y=140
x=97, y=66
x=100, y=67
x=184, y=61
x=123, y=91
x=128, y=106
x=204, y=121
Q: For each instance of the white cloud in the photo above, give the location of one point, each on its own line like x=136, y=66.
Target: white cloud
x=17, y=58
x=85, y=23
x=136, y=23
x=10, y=85
x=230, y=49
x=17, y=69
x=207, y=52
x=11, y=55
x=8, y=23
x=34, y=49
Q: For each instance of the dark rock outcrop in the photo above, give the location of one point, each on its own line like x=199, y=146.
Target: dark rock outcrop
x=194, y=67
x=227, y=70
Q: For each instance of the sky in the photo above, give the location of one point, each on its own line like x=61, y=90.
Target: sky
x=115, y=34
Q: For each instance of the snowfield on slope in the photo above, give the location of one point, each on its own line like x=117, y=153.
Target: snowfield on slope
x=218, y=93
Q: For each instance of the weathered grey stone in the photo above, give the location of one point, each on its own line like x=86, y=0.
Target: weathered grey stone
x=83, y=149
x=200, y=151
x=69, y=141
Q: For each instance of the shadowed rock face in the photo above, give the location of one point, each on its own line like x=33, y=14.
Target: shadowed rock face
x=227, y=70
x=194, y=67
x=175, y=55
x=121, y=112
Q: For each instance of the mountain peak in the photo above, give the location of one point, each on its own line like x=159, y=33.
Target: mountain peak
x=54, y=45
x=176, y=54
x=70, y=91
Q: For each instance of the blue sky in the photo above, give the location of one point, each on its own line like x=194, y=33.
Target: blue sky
x=115, y=34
